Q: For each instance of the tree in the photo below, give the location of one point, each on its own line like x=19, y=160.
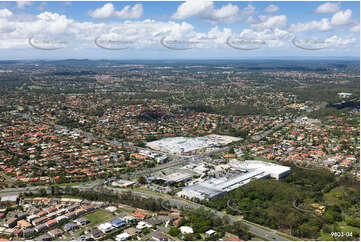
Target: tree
x=231, y=150
x=142, y=180
x=174, y=231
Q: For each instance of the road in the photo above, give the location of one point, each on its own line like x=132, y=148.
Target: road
x=178, y=160
x=258, y=231
x=174, y=202
x=14, y=191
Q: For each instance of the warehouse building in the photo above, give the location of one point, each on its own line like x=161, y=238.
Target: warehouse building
x=173, y=178
x=275, y=171
x=251, y=169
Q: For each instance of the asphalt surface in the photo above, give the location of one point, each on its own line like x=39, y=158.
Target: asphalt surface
x=268, y=235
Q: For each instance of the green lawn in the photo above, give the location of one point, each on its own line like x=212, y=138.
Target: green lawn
x=99, y=216
x=331, y=198
x=325, y=237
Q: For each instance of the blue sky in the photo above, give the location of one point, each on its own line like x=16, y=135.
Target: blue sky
x=171, y=30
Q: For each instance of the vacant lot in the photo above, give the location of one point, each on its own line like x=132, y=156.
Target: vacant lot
x=99, y=216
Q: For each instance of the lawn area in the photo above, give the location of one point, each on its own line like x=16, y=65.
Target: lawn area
x=332, y=197
x=99, y=216
x=325, y=237
x=347, y=229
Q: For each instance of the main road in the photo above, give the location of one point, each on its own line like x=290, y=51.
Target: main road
x=173, y=202
x=179, y=203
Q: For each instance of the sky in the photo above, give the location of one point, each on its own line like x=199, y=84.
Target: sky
x=194, y=29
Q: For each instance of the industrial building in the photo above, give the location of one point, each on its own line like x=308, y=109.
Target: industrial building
x=173, y=178
x=251, y=169
x=275, y=171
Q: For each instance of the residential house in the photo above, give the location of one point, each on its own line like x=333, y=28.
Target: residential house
x=186, y=230
x=139, y=215
x=56, y=233
x=131, y=231
x=44, y=237
x=23, y=224
x=129, y=219
x=70, y=227
x=40, y=220
x=117, y=222
x=105, y=227
x=51, y=223
x=122, y=237
x=61, y=219
x=142, y=225
x=96, y=233
x=157, y=236
x=28, y=232
x=10, y=222
x=81, y=221
x=40, y=228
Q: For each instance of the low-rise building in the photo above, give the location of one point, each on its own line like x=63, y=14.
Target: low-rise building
x=81, y=221
x=70, y=226
x=122, y=237
x=56, y=233
x=105, y=227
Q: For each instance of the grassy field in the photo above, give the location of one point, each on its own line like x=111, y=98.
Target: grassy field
x=99, y=216
x=332, y=197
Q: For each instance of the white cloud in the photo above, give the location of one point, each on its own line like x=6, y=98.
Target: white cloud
x=271, y=8
x=5, y=27
x=271, y=22
x=108, y=11
x=22, y=4
x=355, y=29
x=205, y=10
x=328, y=8
x=336, y=41
x=193, y=8
x=5, y=13
x=341, y=17
x=266, y=34
x=219, y=37
x=273, y=38
x=322, y=25
x=15, y=30
x=14, y=43
x=53, y=23
x=130, y=12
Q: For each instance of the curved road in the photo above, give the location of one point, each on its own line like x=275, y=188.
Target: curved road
x=258, y=231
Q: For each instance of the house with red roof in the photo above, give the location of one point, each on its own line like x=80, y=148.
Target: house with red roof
x=235, y=239
x=139, y=215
